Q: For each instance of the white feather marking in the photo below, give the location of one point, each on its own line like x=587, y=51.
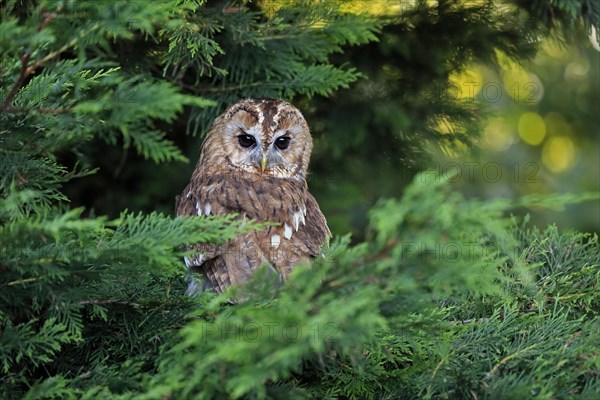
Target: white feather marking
x=189, y=194
x=304, y=211
x=198, y=208
x=299, y=217
x=287, y=232
x=207, y=208
x=196, y=260
x=275, y=240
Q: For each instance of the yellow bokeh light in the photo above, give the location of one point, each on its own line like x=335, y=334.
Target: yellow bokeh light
x=577, y=71
x=554, y=49
x=558, y=154
x=497, y=135
x=466, y=84
x=532, y=128
x=377, y=8
x=514, y=77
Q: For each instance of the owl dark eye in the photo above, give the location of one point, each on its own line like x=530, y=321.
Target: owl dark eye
x=282, y=142
x=246, y=140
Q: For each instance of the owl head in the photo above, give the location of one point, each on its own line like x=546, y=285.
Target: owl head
x=267, y=137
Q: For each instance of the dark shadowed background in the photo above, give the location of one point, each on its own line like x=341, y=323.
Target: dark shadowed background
x=439, y=89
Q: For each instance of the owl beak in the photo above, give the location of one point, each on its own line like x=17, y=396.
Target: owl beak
x=263, y=163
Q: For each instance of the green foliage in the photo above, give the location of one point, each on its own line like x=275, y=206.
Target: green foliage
x=81, y=282
x=61, y=79
x=561, y=15
x=445, y=297
x=376, y=135
x=247, y=55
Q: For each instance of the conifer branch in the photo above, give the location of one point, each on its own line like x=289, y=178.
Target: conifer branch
x=48, y=16
x=235, y=88
x=6, y=103
x=25, y=69
x=508, y=358
x=52, y=55
x=105, y=302
x=22, y=281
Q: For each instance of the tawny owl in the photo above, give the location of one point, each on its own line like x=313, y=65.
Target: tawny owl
x=253, y=163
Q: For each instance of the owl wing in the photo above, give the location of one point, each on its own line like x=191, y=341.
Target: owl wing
x=221, y=265
x=201, y=198
x=318, y=232
x=261, y=199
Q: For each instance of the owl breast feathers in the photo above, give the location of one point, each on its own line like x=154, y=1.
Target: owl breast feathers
x=253, y=163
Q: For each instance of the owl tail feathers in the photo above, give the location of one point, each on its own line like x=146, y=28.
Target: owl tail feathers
x=264, y=282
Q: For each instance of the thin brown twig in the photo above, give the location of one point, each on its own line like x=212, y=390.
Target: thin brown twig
x=470, y=321
x=41, y=110
x=6, y=104
x=220, y=89
x=51, y=56
x=54, y=110
x=27, y=69
x=109, y=301
x=48, y=16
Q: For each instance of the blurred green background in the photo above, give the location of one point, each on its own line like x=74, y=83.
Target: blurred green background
x=439, y=90
x=542, y=135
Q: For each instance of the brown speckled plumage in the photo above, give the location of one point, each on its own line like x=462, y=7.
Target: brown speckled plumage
x=229, y=179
